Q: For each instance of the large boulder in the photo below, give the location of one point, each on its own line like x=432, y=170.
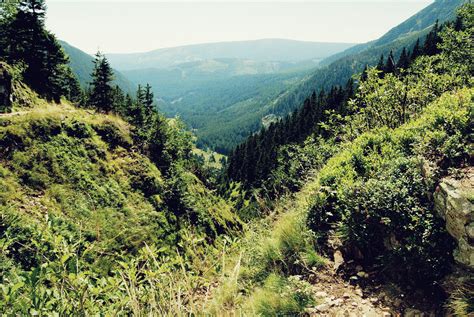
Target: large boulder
x=454, y=199
x=5, y=89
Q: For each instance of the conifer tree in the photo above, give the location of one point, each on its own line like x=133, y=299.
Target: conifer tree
x=24, y=39
x=404, y=60
x=101, y=96
x=381, y=63
x=390, y=67
x=430, y=46
x=148, y=101
x=416, y=50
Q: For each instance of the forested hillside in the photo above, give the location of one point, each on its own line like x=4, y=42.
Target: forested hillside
x=359, y=203
x=341, y=67
x=82, y=65
x=224, y=91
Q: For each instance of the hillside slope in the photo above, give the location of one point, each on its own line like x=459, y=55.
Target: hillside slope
x=82, y=65
x=340, y=67
x=78, y=199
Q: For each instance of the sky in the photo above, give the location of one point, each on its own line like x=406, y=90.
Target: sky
x=123, y=26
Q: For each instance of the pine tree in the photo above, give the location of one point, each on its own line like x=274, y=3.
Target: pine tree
x=101, y=94
x=389, y=67
x=148, y=101
x=430, y=46
x=24, y=39
x=363, y=76
x=404, y=60
x=381, y=63
x=416, y=50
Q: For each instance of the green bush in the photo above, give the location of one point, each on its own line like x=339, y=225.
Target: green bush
x=374, y=197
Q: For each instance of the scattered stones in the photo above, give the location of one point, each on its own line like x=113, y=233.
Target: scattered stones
x=322, y=308
x=373, y=300
x=411, y=312
x=362, y=274
x=321, y=294
x=338, y=259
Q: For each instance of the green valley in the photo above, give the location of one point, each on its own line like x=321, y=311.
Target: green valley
x=347, y=190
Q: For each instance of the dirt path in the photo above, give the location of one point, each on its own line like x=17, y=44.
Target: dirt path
x=338, y=298
x=13, y=114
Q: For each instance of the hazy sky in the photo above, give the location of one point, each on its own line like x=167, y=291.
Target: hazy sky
x=136, y=26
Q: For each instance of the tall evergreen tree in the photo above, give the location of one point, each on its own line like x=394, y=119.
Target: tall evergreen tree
x=416, y=50
x=148, y=100
x=25, y=40
x=404, y=60
x=430, y=46
x=101, y=96
x=390, y=67
x=381, y=63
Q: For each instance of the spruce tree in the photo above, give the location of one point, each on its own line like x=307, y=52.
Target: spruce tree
x=389, y=67
x=381, y=63
x=404, y=60
x=25, y=40
x=416, y=50
x=101, y=97
x=148, y=101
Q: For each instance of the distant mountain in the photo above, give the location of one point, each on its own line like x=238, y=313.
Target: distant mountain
x=259, y=50
x=337, y=69
x=222, y=90
x=82, y=66
x=441, y=10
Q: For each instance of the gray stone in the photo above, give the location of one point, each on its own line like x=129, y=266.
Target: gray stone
x=411, y=312
x=454, y=203
x=5, y=89
x=322, y=308
x=321, y=294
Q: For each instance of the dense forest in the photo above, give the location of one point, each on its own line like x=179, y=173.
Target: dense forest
x=253, y=161
x=358, y=202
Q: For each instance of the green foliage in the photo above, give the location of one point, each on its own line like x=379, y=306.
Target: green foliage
x=24, y=39
x=88, y=225
x=374, y=197
x=280, y=297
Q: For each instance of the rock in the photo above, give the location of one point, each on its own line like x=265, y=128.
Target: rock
x=322, y=308
x=359, y=268
x=397, y=302
x=346, y=295
x=373, y=300
x=338, y=259
x=386, y=314
x=359, y=292
x=5, y=89
x=453, y=202
x=362, y=274
x=411, y=312
x=338, y=302
x=321, y=294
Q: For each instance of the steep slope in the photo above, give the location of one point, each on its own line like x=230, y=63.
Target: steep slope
x=82, y=65
x=341, y=67
x=416, y=26
x=79, y=199
x=258, y=50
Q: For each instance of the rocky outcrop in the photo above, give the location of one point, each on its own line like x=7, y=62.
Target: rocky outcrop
x=5, y=89
x=454, y=202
